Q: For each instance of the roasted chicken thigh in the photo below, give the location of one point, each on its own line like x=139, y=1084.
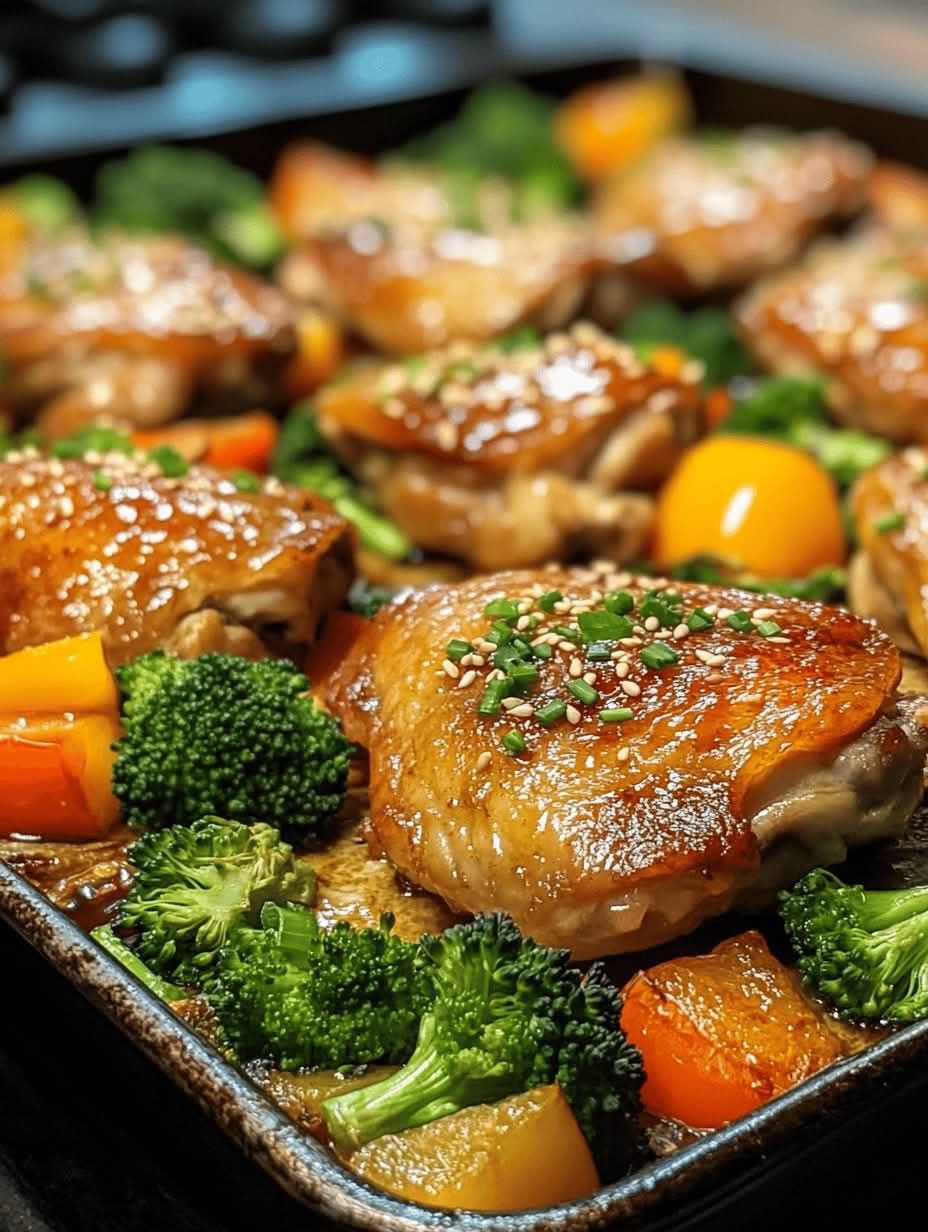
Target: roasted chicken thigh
x=633, y=778
x=514, y=457
x=190, y=564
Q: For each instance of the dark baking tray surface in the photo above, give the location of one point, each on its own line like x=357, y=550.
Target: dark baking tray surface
x=700, y=1180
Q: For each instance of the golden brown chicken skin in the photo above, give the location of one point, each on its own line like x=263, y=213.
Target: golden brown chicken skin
x=713, y=211
x=664, y=797
x=857, y=310
x=190, y=564
x=890, y=505
x=510, y=457
x=133, y=328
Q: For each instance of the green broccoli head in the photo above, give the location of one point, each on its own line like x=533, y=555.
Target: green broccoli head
x=864, y=951
x=299, y=995
x=508, y=1015
x=223, y=736
x=194, y=885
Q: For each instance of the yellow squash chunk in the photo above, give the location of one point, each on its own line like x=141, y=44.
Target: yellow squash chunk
x=526, y=1151
x=69, y=676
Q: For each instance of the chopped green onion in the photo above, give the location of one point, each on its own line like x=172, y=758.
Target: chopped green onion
x=553, y=712
x=102, y=481
x=655, y=605
x=657, y=656
x=768, y=628
x=583, y=692
x=523, y=675
x=514, y=742
x=247, y=481
x=698, y=620
x=507, y=608
x=493, y=695
x=889, y=522
x=542, y=651
x=570, y=632
x=507, y=655
x=617, y=714
x=741, y=622
x=598, y=652
x=500, y=634
x=173, y=464
x=604, y=626
x=548, y=600
x=457, y=648
x=620, y=602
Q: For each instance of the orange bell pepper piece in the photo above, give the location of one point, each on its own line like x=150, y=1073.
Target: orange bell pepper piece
x=55, y=776
x=722, y=1033
x=240, y=442
x=604, y=127
x=67, y=676
x=320, y=353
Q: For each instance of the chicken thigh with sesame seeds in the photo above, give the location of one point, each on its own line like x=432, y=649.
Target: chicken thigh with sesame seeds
x=515, y=457
x=716, y=209
x=189, y=564
x=612, y=762
x=133, y=329
x=855, y=310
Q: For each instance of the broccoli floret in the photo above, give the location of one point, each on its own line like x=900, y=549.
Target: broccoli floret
x=864, y=951
x=116, y=948
x=303, y=457
x=194, y=885
x=508, y=1015
x=196, y=192
x=707, y=334
x=299, y=995
x=222, y=736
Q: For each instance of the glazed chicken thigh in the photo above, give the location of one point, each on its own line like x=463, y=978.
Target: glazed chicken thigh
x=630, y=786
x=514, y=457
x=189, y=564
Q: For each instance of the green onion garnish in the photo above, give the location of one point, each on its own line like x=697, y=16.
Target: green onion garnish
x=604, y=626
x=619, y=602
x=889, y=522
x=698, y=620
x=768, y=628
x=493, y=695
x=102, y=481
x=508, y=609
x=657, y=656
x=514, y=742
x=523, y=675
x=617, y=714
x=542, y=651
x=741, y=622
x=552, y=712
x=457, y=648
x=547, y=601
x=570, y=632
x=598, y=652
x=247, y=481
x=583, y=692
x=173, y=464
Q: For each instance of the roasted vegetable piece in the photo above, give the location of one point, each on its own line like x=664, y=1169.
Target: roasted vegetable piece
x=223, y=736
x=194, y=885
x=767, y=507
x=864, y=951
x=55, y=774
x=508, y=1015
x=69, y=675
x=525, y=1151
x=722, y=1033
x=117, y=948
x=299, y=995
x=302, y=457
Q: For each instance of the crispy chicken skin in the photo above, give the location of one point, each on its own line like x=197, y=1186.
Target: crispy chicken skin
x=143, y=559
x=895, y=570
x=714, y=212
x=381, y=248
x=611, y=836
x=855, y=309
x=509, y=458
x=131, y=327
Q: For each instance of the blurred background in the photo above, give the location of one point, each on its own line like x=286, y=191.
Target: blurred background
x=197, y=68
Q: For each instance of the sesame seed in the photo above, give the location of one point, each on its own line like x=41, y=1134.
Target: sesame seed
x=467, y=679
x=576, y=668
x=522, y=711
x=630, y=688
x=710, y=658
x=711, y=609
x=572, y=714
x=763, y=613
x=477, y=660
x=466, y=661
x=680, y=632
x=523, y=623
x=652, y=624
x=484, y=760
x=450, y=669
x=780, y=641
x=589, y=677
x=565, y=645
x=723, y=612
x=623, y=754
x=630, y=642
x=622, y=668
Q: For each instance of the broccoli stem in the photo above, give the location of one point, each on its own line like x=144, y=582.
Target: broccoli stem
x=422, y=1091
x=886, y=908
x=116, y=948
